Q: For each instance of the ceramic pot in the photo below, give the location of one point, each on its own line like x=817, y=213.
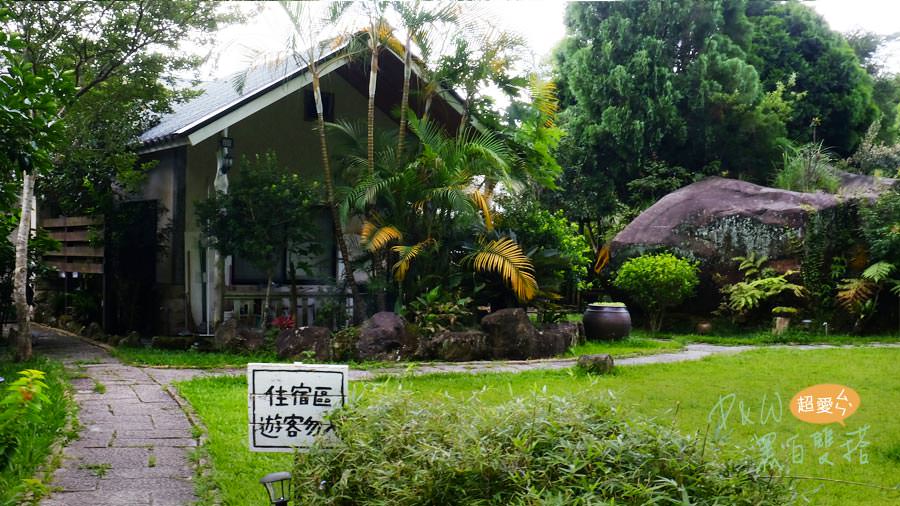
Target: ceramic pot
x=606, y=323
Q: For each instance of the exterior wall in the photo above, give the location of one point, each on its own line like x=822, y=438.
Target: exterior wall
x=280, y=128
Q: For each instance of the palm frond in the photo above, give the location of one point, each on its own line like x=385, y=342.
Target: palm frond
x=375, y=237
x=854, y=292
x=878, y=272
x=544, y=99
x=506, y=258
x=481, y=202
x=407, y=255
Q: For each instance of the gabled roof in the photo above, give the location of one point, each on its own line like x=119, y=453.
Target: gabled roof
x=220, y=104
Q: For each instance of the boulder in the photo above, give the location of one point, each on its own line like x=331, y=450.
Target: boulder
x=717, y=219
x=231, y=336
x=172, y=342
x=510, y=333
x=132, y=340
x=463, y=346
x=291, y=343
x=596, y=364
x=554, y=339
x=383, y=337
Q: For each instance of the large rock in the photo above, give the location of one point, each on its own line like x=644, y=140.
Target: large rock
x=463, y=346
x=718, y=219
x=595, y=364
x=383, y=337
x=554, y=339
x=291, y=343
x=231, y=336
x=510, y=333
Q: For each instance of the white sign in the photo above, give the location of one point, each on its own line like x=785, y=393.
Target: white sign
x=287, y=404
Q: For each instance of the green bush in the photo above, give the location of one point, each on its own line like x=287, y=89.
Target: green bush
x=33, y=411
x=541, y=450
x=807, y=169
x=657, y=282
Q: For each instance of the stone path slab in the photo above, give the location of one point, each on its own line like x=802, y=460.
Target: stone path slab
x=134, y=440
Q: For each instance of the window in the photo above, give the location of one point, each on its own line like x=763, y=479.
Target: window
x=319, y=267
x=309, y=106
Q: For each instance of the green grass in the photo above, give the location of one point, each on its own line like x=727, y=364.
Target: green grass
x=629, y=347
x=683, y=394
x=33, y=440
x=190, y=358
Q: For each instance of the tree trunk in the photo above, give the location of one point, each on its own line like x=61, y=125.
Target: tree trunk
x=293, y=270
x=359, y=308
x=20, y=275
x=428, y=100
x=264, y=323
x=404, y=98
x=370, y=132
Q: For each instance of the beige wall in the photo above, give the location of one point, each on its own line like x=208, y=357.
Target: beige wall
x=280, y=128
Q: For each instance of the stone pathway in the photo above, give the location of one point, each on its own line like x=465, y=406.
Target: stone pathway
x=134, y=439
x=689, y=352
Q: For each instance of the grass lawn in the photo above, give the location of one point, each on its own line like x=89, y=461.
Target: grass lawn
x=32, y=441
x=685, y=394
x=190, y=358
x=629, y=347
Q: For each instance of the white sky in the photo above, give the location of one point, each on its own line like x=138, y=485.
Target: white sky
x=539, y=22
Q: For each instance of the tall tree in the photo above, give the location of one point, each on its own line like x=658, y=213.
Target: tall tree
x=98, y=43
x=650, y=89
x=305, y=46
x=868, y=47
x=790, y=39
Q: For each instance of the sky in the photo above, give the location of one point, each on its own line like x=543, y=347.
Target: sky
x=539, y=22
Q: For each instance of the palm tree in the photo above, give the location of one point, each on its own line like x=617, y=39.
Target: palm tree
x=307, y=49
x=416, y=20
x=431, y=214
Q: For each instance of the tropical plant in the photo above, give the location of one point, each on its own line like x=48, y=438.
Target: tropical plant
x=306, y=48
x=437, y=310
x=21, y=404
x=431, y=216
x=880, y=226
x=760, y=284
x=859, y=296
x=657, y=282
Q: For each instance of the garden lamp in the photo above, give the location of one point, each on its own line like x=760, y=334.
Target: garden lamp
x=278, y=486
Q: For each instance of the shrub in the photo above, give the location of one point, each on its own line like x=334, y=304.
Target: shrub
x=657, y=282
x=807, y=169
x=542, y=450
x=880, y=226
x=760, y=284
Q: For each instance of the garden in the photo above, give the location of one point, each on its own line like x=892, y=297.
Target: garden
x=700, y=199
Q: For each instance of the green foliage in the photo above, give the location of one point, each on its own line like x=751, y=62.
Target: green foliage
x=807, y=169
x=880, y=226
x=791, y=39
x=651, y=90
x=759, y=285
x=266, y=210
x=657, y=282
x=437, y=310
x=537, y=450
x=123, y=58
x=561, y=255
x=873, y=156
x=859, y=296
x=33, y=412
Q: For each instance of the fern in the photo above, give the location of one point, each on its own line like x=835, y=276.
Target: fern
x=878, y=272
x=854, y=292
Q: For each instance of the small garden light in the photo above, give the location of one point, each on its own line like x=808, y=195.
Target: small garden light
x=278, y=486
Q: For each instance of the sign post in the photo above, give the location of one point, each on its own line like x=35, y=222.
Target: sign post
x=287, y=404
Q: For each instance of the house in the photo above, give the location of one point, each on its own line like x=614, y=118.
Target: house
x=274, y=112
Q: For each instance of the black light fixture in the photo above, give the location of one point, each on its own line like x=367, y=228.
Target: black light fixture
x=278, y=486
x=226, y=144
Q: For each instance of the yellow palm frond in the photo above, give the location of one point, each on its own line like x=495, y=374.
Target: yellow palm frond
x=407, y=254
x=543, y=96
x=481, y=202
x=506, y=258
x=376, y=237
x=602, y=259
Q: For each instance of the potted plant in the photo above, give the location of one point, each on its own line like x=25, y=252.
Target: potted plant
x=606, y=321
x=783, y=316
